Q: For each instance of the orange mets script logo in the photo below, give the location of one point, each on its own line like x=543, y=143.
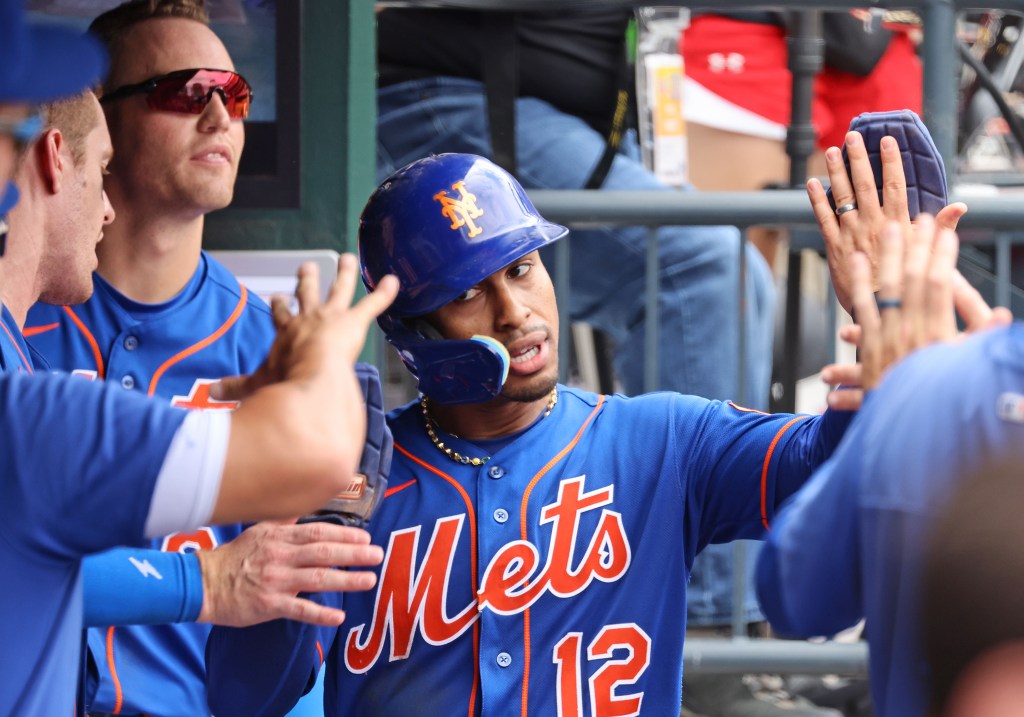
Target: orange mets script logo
x=462, y=210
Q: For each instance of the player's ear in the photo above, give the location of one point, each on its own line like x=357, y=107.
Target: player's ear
x=51, y=155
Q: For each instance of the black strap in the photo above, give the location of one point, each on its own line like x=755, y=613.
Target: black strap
x=618, y=124
x=501, y=79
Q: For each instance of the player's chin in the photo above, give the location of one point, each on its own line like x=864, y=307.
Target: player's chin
x=532, y=388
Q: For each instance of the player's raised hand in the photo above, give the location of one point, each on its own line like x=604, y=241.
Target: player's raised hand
x=920, y=292
x=257, y=576
x=859, y=229
x=322, y=335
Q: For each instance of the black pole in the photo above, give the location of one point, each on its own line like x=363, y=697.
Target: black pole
x=806, y=54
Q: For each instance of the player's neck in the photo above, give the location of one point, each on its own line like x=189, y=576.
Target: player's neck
x=19, y=283
x=493, y=419
x=150, y=258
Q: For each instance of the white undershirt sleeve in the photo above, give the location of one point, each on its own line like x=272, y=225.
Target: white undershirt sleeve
x=189, y=481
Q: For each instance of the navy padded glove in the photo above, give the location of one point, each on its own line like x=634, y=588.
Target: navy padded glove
x=922, y=163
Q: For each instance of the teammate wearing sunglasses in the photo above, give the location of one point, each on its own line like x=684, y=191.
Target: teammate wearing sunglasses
x=165, y=318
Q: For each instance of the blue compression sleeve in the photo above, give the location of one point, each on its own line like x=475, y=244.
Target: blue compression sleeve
x=132, y=586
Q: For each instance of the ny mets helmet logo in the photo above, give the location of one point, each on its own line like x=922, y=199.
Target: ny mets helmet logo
x=460, y=211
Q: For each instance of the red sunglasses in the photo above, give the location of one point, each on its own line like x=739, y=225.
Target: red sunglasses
x=189, y=91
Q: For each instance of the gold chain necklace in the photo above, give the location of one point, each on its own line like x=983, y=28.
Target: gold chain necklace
x=455, y=455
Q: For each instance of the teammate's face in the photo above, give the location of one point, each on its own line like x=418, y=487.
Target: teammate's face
x=69, y=256
x=170, y=162
x=517, y=307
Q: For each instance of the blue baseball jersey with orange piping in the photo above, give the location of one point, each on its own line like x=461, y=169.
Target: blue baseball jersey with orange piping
x=62, y=461
x=851, y=543
x=213, y=328
x=549, y=581
x=15, y=355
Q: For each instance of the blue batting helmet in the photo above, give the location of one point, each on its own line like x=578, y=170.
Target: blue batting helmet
x=442, y=225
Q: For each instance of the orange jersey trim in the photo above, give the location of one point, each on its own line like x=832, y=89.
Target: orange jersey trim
x=471, y=517
x=93, y=344
x=394, y=489
x=21, y=355
x=767, y=463
x=748, y=410
x=522, y=533
x=200, y=345
x=118, y=694
x=30, y=331
x=320, y=653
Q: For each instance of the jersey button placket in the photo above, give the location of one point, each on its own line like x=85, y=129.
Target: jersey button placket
x=495, y=472
x=503, y=659
x=128, y=381
x=500, y=515
x=131, y=343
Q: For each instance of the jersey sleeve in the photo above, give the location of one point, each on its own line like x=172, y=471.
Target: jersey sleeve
x=806, y=574
x=742, y=464
x=263, y=670
x=134, y=586
x=80, y=462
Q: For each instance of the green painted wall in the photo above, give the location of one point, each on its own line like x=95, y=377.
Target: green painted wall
x=338, y=111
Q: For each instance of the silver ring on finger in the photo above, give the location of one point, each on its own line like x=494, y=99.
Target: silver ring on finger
x=844, y=208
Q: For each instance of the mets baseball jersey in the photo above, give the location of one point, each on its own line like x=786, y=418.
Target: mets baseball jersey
x=213, y=328
x=549, y=581
x=63, y=462
x=850, y=544
x=15, y=355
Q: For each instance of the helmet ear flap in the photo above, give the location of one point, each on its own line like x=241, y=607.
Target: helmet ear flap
x=450, y=371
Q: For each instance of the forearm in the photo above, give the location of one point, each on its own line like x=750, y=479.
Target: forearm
x=130, y=586
x=291, y=450
x=811, y=443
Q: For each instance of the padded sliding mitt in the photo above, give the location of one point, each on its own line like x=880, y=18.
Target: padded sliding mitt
x=922, y=163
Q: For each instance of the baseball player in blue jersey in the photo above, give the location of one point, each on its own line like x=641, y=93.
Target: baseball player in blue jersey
x=72, y=449
x=538, y=537
x=150, y=332
x=850, y=543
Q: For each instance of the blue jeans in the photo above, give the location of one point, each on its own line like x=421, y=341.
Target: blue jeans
x=698, y=269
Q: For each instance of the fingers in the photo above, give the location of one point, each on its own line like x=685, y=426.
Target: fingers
x=377, y=301
x=280, y=310
x=915, y=271
x=866, y=311
x=950, y=215
x=839, y=180
x=230, y=389
x=863, y=176
x=344, y=287
x=308, y=289
x=303, y=610
x=890, y=294
x=851, y=334
x=977, y=315
x=941, y=319
x=842, y=374
x=894, y=182
x=846, y=399
x=838, y=245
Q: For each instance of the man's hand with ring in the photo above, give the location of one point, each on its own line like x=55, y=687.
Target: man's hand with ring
x=856, y=224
